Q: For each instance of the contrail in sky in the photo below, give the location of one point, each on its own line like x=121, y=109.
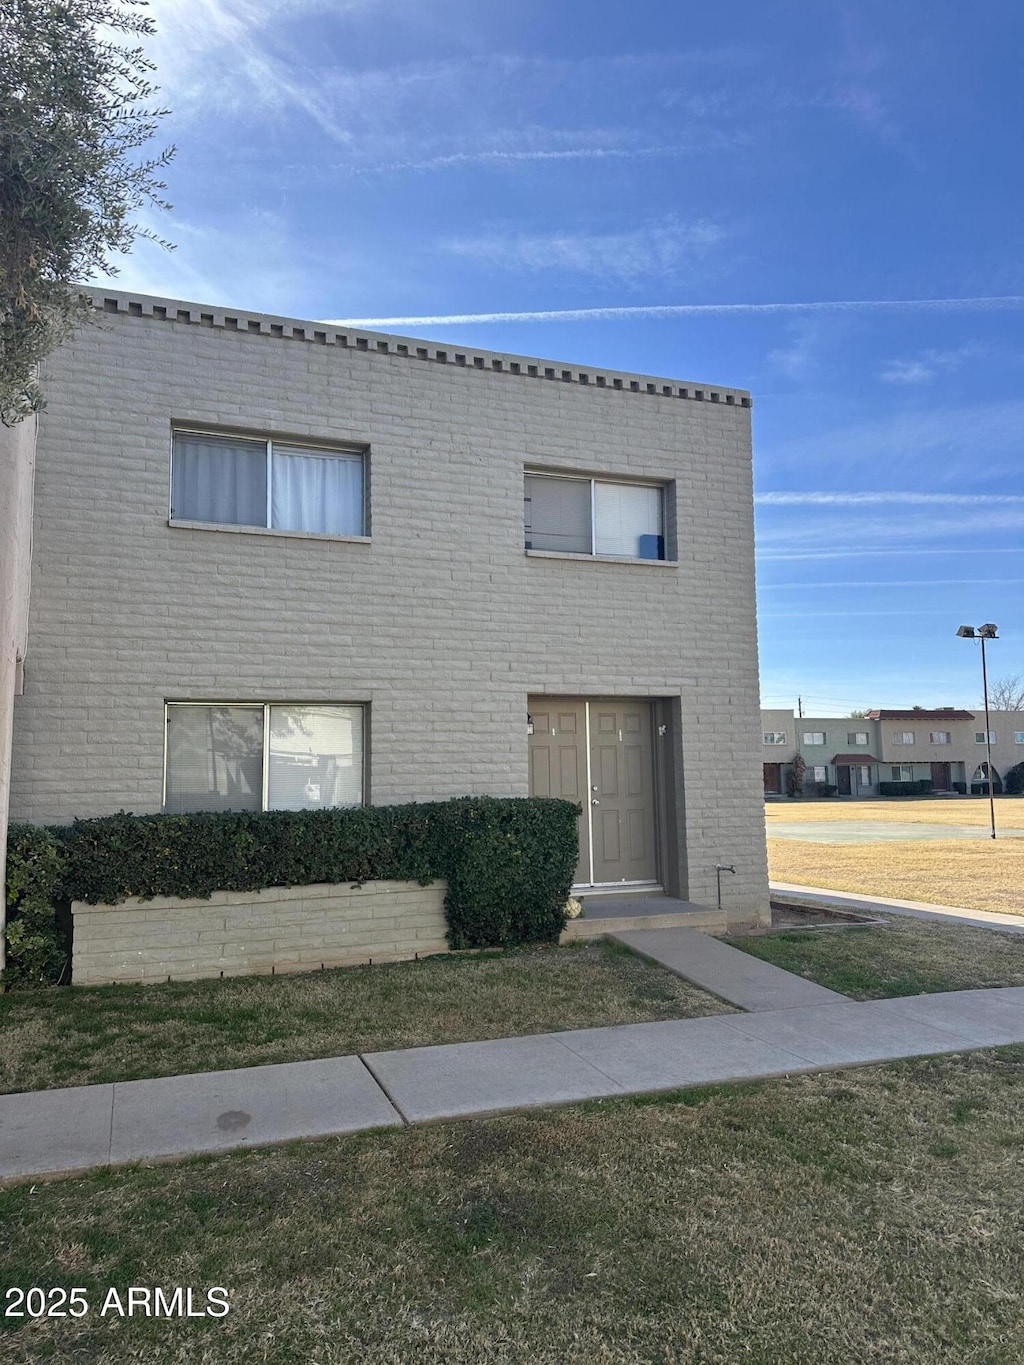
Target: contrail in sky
x=994, y=303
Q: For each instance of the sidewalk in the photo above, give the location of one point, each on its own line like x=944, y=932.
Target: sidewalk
x=848, y=900
x=803, y=1028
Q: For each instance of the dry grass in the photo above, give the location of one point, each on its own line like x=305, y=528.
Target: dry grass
x=869, y=1216
x=90, y=1035
x=965, y=810
x=976, y=874
x=902, y=957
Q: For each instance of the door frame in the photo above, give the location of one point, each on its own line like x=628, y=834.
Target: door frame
x=657, y=780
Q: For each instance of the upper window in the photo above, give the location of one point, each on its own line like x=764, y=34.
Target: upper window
x=979, y=736
x=1018, y=736
x=263, y=757
x=774, y=736
x=857, y=737
x=594, y=517
x=814, y=737
x=903, y=737
x=940, y=736
x=235, y=481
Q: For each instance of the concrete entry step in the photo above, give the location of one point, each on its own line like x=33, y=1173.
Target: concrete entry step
x=612, y=914
x=727, y=972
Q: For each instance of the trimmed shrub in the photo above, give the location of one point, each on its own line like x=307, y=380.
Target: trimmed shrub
x=921, y=786
x=1013, y=783
x=37, y=949
x=509, y=862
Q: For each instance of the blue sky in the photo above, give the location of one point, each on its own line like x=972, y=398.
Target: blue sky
x=858, y=163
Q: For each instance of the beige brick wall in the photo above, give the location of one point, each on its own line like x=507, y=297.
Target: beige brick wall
x=440, y=621
x=240, y=933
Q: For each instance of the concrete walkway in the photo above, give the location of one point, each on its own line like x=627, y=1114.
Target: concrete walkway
x=877, y=831
x=797, y=1027
x=812, y=896
x=727, y=972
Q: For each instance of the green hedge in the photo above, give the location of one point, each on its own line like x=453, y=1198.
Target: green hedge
x=509, y=862
x=37, y=948
x=921, y=786
x=1013, y=784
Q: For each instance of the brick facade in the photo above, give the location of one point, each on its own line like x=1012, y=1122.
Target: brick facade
x=440, y=621
x=241, y=933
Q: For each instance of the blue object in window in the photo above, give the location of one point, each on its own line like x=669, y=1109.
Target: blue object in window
x=651, y=547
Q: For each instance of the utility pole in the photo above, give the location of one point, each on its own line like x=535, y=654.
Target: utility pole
x=800, y=707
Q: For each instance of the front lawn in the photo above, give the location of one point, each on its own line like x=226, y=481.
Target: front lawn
x=865, y=1216
x=903, y=957
x=91, y=1035
x=977, y=874
x=928, y=810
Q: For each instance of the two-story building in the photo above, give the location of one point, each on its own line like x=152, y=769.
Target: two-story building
x=285, y=564
x=943, y=745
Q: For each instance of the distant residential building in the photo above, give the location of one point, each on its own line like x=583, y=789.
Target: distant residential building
x=850, y=756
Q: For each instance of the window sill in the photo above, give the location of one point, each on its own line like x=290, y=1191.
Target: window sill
x=265, y=531
x=602, y=559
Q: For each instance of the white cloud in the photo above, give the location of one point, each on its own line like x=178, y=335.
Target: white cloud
x=952, y=446
x=799, y=360
x=804, y=584
x=876, y=499
x=838, y=551
x=929, y=365
x=221, y=265
x=511, y=159
x=219, y=55
x=662, y=248
x=994, y=303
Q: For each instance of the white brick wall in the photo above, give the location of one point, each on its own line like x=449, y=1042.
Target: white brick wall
x=241, y=933
x=442, y=622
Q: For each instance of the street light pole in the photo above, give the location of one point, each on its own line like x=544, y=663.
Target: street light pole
x=988, y=739
x=983, y=633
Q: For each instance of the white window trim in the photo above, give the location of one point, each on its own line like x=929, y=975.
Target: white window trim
x=308, y=446
x=364, y=776
x=593, y=480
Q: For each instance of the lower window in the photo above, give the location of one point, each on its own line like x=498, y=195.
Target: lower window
x=263, y=756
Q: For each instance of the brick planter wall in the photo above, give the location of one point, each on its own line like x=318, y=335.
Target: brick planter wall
x=240, y=933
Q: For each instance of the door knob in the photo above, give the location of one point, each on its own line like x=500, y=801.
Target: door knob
x=595, y=802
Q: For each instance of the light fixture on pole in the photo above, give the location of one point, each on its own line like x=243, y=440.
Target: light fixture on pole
x=983, y=633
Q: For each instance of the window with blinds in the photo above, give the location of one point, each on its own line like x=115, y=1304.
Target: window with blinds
x=571, y=515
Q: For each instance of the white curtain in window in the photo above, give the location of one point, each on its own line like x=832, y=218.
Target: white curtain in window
x=627, y=521
x=316, y=757
x=317, y=492
x=558, y=514
x=219, y=479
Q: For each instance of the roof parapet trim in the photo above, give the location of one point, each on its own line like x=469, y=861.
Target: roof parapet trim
x=411, y=348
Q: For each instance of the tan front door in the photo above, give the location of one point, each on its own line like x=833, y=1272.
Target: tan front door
x=606, y=745
x=558, y=755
